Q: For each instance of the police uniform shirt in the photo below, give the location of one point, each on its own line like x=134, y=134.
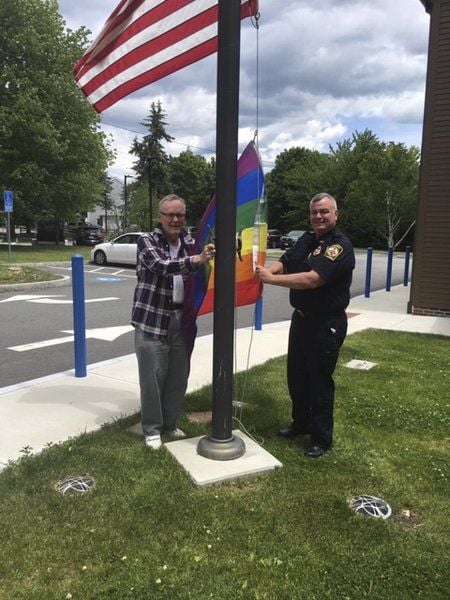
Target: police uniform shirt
x=333, y=258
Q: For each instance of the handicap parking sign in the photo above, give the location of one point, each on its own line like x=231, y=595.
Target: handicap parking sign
x=8, y=198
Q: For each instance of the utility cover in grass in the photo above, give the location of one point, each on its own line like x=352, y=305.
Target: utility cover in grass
x=370, y=506
x=364, y=365
x=75, y=485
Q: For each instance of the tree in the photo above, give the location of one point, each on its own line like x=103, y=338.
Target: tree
x=345, y=160
x=297, y=176
x=107, y=203
x=382, y=200
x=52, y=152
x=374, y=183
x=193, y=178
x=152, y=160
x=137, y=213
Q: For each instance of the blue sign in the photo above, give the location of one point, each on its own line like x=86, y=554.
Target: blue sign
x=8, y=198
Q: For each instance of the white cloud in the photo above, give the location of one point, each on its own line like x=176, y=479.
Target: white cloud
x=325, y=69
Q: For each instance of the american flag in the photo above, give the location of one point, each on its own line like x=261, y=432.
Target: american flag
x=145, y=40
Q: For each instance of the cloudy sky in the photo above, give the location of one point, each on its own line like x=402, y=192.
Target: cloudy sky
x=326, y=69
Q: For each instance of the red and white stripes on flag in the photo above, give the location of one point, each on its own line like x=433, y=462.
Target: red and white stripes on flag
x=145, y=40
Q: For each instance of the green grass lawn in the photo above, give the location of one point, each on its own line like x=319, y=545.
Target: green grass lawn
x=34, y=254
x=12, y=273
x=146, y=531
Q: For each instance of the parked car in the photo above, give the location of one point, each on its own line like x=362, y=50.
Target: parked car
x=88, y=235
x=51, y=231
x=273, y=238
x=289, y=240
x=122, y=250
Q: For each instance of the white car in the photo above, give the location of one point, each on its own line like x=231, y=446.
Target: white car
x=120, y=250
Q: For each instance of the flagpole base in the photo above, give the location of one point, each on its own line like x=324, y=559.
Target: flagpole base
x=214, y=449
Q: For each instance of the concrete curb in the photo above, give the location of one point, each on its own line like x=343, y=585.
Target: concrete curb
x=35, y=285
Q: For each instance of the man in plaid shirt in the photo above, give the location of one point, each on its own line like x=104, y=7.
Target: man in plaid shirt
x=165, y=261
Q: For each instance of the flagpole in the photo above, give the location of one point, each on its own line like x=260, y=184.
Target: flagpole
x=222, y=444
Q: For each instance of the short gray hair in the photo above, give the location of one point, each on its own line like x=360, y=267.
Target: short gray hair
x=169, y=198
x=321, y=196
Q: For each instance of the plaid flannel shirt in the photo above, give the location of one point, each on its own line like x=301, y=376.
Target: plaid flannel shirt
x=152, y=303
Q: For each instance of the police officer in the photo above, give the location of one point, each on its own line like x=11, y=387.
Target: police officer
x=318, y=272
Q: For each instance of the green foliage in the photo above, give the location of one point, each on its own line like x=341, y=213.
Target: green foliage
x=376, y=187
x=375, y=184
x=106, y=202
x=146, y=531
x=193, y=178
x=52, y=153
x=295, y=179
x=381, y=202
x=346, y=158
x=188, y=175
x=152, y=160
x=138, y=206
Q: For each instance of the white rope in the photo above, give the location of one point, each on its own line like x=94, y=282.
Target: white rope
x=255, y=23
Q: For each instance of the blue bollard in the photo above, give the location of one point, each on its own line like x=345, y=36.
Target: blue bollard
x=406, y=272
x=79, y=319
x=258, y=314
x=368, y=272
x=389, y=268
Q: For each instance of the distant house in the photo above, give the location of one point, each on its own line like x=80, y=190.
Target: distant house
x=112, y=220
x=430, y=284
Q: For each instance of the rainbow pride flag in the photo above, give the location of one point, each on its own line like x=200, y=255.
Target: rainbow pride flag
x=251, y=235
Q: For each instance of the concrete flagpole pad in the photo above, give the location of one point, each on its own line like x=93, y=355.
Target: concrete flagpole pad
x=206, y=471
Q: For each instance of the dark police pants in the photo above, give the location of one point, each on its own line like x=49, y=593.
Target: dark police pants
x=314, y=344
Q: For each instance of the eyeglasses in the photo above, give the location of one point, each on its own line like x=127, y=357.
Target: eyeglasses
x=173, y=215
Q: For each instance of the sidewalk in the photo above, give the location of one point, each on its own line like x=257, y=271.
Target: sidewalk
x=60, y=406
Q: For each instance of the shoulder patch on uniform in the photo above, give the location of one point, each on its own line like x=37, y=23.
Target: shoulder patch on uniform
x=332, y=252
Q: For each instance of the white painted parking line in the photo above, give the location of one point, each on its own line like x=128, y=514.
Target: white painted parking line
x=107, y=334
x=122, y=273
x=53, y=301
x=118, y=272
x=29, y=297
x=43, y=344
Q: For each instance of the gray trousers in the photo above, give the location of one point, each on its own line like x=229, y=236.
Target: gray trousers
x=163, y=374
